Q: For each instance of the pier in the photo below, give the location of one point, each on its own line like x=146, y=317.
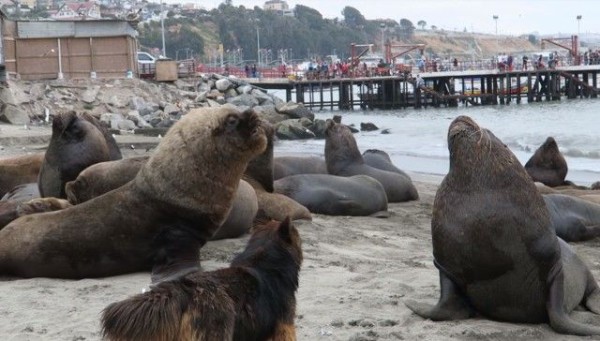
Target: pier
x=446, y=88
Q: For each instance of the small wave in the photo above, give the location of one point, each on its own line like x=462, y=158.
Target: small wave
x=577, y=153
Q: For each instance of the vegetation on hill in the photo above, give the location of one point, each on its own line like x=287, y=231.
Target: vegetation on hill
x=308, y=35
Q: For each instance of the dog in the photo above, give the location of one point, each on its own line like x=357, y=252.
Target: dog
x=253, y=299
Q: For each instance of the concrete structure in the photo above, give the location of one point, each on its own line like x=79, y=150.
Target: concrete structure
x=68, y=49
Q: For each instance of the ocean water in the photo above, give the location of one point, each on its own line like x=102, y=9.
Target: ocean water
x=417, y=139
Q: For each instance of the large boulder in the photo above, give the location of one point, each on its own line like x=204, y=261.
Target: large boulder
x=293, y=130
x=295, y=110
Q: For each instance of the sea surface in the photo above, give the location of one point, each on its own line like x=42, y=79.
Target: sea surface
x=417, y=139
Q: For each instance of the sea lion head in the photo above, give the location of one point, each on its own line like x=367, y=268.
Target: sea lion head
x=340, y=147
x=198, y=164
x=478, y=156
x=549, y=156
x=76, y=143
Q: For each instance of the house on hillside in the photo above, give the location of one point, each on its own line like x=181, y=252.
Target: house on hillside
x=36, y=50
x=78, y=11
x=279, y=6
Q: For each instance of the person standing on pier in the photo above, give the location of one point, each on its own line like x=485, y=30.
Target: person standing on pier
x=525, y=60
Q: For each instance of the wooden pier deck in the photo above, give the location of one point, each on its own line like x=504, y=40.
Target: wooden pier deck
x=447, y=88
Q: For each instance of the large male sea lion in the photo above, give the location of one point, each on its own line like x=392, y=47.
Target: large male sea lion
x=105, y=176
x=159, y=220
x=344, y=159
x=358, y=195
x=18, y=170
x=78, y=141
x=494, y=245
x=547, y=165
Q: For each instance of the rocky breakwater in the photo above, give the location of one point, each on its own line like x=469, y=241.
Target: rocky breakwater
x=147, y=107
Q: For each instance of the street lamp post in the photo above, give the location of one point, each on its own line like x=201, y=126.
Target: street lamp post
x=257, y=46
x=496, y=20
x=382, y=26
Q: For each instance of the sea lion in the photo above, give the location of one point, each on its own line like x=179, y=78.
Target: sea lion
x=19, y=170
x=344, y=159
x=547, y=165
x=78, y=141
x=358, y=195
x=574, y=219
x=105, y=176
x=157, y=221
x=241, y=216
x=291, y=165
x=494, y=245
x=381, y=160
x=259, y=175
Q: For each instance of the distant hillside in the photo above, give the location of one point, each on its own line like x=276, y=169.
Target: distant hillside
x=472, y=44
x=309, y=35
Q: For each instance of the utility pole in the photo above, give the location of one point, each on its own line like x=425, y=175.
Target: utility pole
x=162, y=27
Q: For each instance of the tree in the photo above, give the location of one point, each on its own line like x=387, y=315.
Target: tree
x=532, y=39
x=433, y=27
x=422, y=23
x=407, y=29
x=353, y=18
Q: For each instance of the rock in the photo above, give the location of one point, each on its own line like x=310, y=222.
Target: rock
x=230, y=93
x=368, y=126
x=139, y=121
x=295, y=110
x=126, y=125
x=89, y=95
x=262, y=97
x=243, y=100
x=171, y=109
x=292, y=130
x=12, y=114
x=385, y=131
x=269, y=113
x=7, y=96
x=223, y=84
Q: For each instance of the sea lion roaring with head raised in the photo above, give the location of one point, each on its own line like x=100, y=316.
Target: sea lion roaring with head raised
x=494, y=245
x=158, y=220
x=547, y=165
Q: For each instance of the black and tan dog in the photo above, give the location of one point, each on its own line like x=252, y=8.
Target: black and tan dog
x=253, y=299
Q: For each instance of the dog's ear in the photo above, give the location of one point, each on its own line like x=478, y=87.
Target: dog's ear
x=285, y=230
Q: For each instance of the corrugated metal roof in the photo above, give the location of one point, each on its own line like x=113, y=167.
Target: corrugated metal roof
x=79, y=29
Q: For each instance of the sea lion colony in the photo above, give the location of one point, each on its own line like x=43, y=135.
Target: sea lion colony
x=162, y=231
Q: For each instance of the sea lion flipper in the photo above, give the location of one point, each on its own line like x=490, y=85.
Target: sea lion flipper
x=451, y=306
x=560, y=321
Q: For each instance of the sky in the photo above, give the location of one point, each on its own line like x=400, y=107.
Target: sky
x=515, y=17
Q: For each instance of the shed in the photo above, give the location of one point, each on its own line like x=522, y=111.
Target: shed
x=68, y=49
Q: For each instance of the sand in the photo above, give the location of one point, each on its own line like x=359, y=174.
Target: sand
x=357, y=272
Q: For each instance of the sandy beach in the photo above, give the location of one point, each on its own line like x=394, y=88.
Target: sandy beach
x=356, y=274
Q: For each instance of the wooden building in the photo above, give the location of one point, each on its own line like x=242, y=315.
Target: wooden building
x=36, y=50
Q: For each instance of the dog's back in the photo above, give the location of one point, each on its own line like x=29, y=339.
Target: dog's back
x=254, y=299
